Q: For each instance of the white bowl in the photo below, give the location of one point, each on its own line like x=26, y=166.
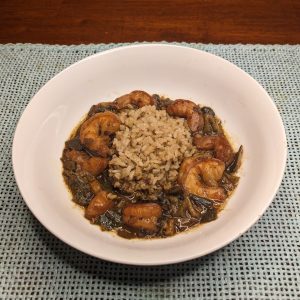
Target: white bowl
x=248, y=113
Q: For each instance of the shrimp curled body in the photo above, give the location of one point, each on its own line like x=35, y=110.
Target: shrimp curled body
x=200, y=176
x=91, y=164
x=135, y=98
x=188, y=110
x=95, y=132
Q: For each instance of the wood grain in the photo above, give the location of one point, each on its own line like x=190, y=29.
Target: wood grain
x=207, y=21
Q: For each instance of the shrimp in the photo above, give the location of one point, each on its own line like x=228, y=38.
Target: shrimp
x=185, y=167
x=98, y=206
x=189, y=110
x=218, y=143
x=95, y=131
x=136, y=98
x=200, y=176
x=142, y=216
x=93, y=165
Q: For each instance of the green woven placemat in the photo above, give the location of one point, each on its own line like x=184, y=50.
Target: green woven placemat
x=262, y=264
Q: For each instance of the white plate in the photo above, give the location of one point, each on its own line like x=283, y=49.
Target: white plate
x=247, y=111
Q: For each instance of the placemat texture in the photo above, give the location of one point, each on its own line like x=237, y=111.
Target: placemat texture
x=262, y=264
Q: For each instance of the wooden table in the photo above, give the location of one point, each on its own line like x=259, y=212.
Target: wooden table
x=95, y=21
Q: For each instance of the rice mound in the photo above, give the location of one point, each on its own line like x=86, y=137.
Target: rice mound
x=148, y=150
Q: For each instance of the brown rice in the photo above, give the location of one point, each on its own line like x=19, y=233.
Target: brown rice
x=148, y=150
